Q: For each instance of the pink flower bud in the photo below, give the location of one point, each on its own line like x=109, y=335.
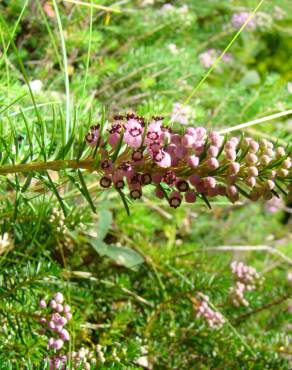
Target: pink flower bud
x=114, y=139
x=213, y=151
x=159, y=193
x=234, y=168
x=156, y=178
x=201, y=132
x=53, y=304
x=192, y=131
x=171, y=148
x=43, y=320
x=63, y=320
x=251, y=181
x=51, y=325
x=252, y=171
x=199, y=147
x=251, y=158
x=59, y=307
x=269, y=152
x=58, y=328
x=215, y=139
x=68, y=316
x=194, y=179
x=190, y=196
x=64, y=335
x=232, y=193
x=253, y=146
x=230, y=154
x=180, y=151
x=265, y=160
x=235, y=140
x=43, y=303
x=59, y=298
x=230, y=145
x=264, y=144
x=176, y=139
x=193, y=161
x=201, y=188
x=187, y=141
x=57, y=344
x=210, y=182
x=282, y=172
x=66, y=308
x=270, y=184
x=286, y=164
x=280, y=152
x=212, y=163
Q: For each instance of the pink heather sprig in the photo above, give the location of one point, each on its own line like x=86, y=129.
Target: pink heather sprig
x=54, y=317
x=238, y=20
x=186, y=165
x=214, y=319
x=246, y=278
x=208, y=57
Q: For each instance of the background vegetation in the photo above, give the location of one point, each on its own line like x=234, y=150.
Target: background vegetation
x=131, y=281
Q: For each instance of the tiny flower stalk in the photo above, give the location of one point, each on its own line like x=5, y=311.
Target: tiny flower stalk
x=134, y=153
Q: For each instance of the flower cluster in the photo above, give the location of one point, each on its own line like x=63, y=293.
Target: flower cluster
x=213, y=318
x=181, y=114
x=238, y=20
x=55, y=316
x=83, y=359
x=208, y=57
x=246, y=279
x=169, y=8
x=189, y=164
x=58, y=219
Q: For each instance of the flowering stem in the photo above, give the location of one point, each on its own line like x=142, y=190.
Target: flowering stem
x=58, y=165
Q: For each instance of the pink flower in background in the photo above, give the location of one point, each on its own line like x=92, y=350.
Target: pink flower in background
x=238, y=20
x=213, y=318
x=246, y=279
x=49, y=10
x=181, y=114
x=274, y=205
x=209, y=57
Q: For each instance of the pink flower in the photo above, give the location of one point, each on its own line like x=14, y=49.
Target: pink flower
x=133, y=133
x=154, y=133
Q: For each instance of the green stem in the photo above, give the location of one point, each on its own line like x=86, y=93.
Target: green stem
x=58, y=165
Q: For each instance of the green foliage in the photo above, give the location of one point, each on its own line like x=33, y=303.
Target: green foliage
x=134, y=297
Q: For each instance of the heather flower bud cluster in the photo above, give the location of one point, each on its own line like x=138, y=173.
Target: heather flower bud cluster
x=83, y=359
x=238, y=20
x=208, y=57
x=181, y=114
x=246, y=278
x=57, y=218
x=213, y=318
x=55, y=315
x=186, y=165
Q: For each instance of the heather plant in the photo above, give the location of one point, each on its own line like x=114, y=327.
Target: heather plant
x=145, y=194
